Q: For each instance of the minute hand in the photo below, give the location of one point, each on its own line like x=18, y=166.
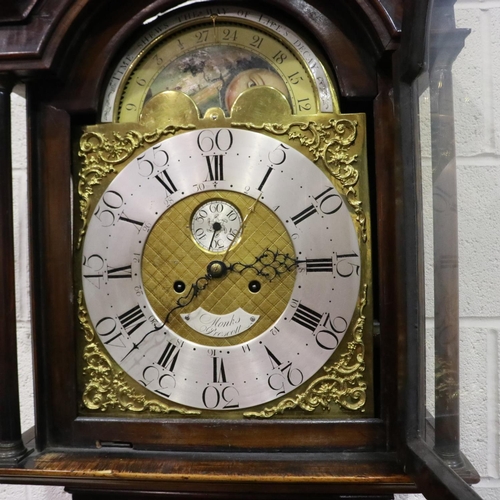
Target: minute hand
x=240, y=230
x=270, y=264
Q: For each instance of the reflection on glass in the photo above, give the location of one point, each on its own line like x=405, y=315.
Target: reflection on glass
x=445, y=43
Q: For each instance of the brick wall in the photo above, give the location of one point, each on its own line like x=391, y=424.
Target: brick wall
x=477, y=115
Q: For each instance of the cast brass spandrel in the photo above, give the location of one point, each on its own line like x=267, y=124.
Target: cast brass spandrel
x=336, y=143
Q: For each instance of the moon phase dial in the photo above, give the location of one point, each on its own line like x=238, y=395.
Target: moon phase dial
x=213, y=57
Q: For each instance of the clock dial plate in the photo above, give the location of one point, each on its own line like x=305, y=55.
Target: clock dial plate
x=293, y=337
x=213, y=54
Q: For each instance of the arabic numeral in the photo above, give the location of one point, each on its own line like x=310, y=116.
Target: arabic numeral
x=304, y=104
x=112, y=201
x=278, y=381
x=228, y=34
x=328, y=335
x=280, y=57
x=222, y=140
x=226, y=398
x=166, y=382
x=329, y=203
x=256, y=41
x=344, y=265
x=201, y=36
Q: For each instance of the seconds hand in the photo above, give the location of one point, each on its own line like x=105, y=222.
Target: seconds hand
x=216, y=227
x=238, y=233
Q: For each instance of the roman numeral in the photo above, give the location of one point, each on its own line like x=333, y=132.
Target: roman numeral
x=319, y=265
x=275, y=362
x=307, y=317
x=120, y=272
x=219, y=371
x=264, y=180
x=132, y=319
x=169, y=357
x=138, y=225
x=301, y=216
x=164, y=179
x=215, y=164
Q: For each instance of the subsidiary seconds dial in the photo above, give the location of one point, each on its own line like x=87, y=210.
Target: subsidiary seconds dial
x=244, y=337
x=215, y=225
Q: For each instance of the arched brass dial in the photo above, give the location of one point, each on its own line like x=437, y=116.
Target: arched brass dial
x=213, y=55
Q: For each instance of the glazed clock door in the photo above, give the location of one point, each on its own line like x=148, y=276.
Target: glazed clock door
x=224, y=253
x=432, y=430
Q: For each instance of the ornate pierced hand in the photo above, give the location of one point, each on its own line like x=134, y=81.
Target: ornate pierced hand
x=270, y=265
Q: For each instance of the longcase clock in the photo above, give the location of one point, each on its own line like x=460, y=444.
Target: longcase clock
x=216, y=211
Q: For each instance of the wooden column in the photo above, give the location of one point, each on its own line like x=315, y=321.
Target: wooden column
x=11, y=446
x=446, y=44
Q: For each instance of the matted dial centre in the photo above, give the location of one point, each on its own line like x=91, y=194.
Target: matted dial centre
x=172, y=254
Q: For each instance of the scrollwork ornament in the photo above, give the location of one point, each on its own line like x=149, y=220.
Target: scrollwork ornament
x=101, y=155
x=329, y=142
x=343, y=382
x=106, y=387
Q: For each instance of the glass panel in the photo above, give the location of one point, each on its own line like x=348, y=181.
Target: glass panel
x=460, y=149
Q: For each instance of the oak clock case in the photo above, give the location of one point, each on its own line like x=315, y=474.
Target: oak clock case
x=223, y=249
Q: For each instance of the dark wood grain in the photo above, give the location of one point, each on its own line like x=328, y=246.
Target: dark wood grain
x=65, y=51
x=212, y=472
x=16, y=11
x=190, y=495
x=51, y=263
x=11, y=446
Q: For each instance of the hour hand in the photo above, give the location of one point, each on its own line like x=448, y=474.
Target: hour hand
x=215, y=269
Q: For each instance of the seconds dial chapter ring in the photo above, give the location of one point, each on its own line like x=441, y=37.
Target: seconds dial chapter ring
x=215, y=225
x=318, y=296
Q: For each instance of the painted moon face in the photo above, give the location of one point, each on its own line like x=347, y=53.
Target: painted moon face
x=253, y=78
